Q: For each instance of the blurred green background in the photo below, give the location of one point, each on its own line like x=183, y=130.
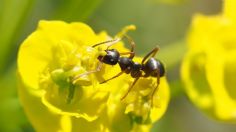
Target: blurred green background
x=162, y=22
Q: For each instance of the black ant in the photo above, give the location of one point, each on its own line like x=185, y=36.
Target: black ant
x=148, y=67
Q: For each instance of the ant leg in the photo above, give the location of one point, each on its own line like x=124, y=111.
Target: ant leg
x=132, y=43
x=99, y=67
x=152, y=54
x=112, y=77
x=130, y=88
x=113, y=41
x=156, y=88
x=128, y=53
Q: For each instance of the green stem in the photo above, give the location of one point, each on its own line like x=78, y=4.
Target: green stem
x=71, y=93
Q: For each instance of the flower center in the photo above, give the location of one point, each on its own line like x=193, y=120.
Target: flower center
x=67, y=63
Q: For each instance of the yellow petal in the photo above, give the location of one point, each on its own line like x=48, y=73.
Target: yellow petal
x=229, y=9
x=208, y=68
x=39, y=116
x=50, y=62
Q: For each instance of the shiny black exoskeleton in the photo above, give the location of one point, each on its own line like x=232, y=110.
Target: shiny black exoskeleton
x=152, y=67
x=148, y=67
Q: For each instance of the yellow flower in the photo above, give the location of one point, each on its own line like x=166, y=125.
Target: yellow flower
x=55, y=99
x=208, y=70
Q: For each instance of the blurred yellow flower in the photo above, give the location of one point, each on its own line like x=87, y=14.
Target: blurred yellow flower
x=209, y=68
x=49, y=60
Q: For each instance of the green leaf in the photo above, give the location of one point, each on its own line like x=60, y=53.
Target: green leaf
x=12, y=115
x=71, y=10
x=12, y=14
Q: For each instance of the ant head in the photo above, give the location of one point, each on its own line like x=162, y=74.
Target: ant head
x=111, y=57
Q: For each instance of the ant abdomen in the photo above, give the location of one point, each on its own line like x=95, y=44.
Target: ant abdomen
x=153, y=67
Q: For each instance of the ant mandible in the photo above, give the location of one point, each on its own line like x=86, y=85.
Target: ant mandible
x=149, y=65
